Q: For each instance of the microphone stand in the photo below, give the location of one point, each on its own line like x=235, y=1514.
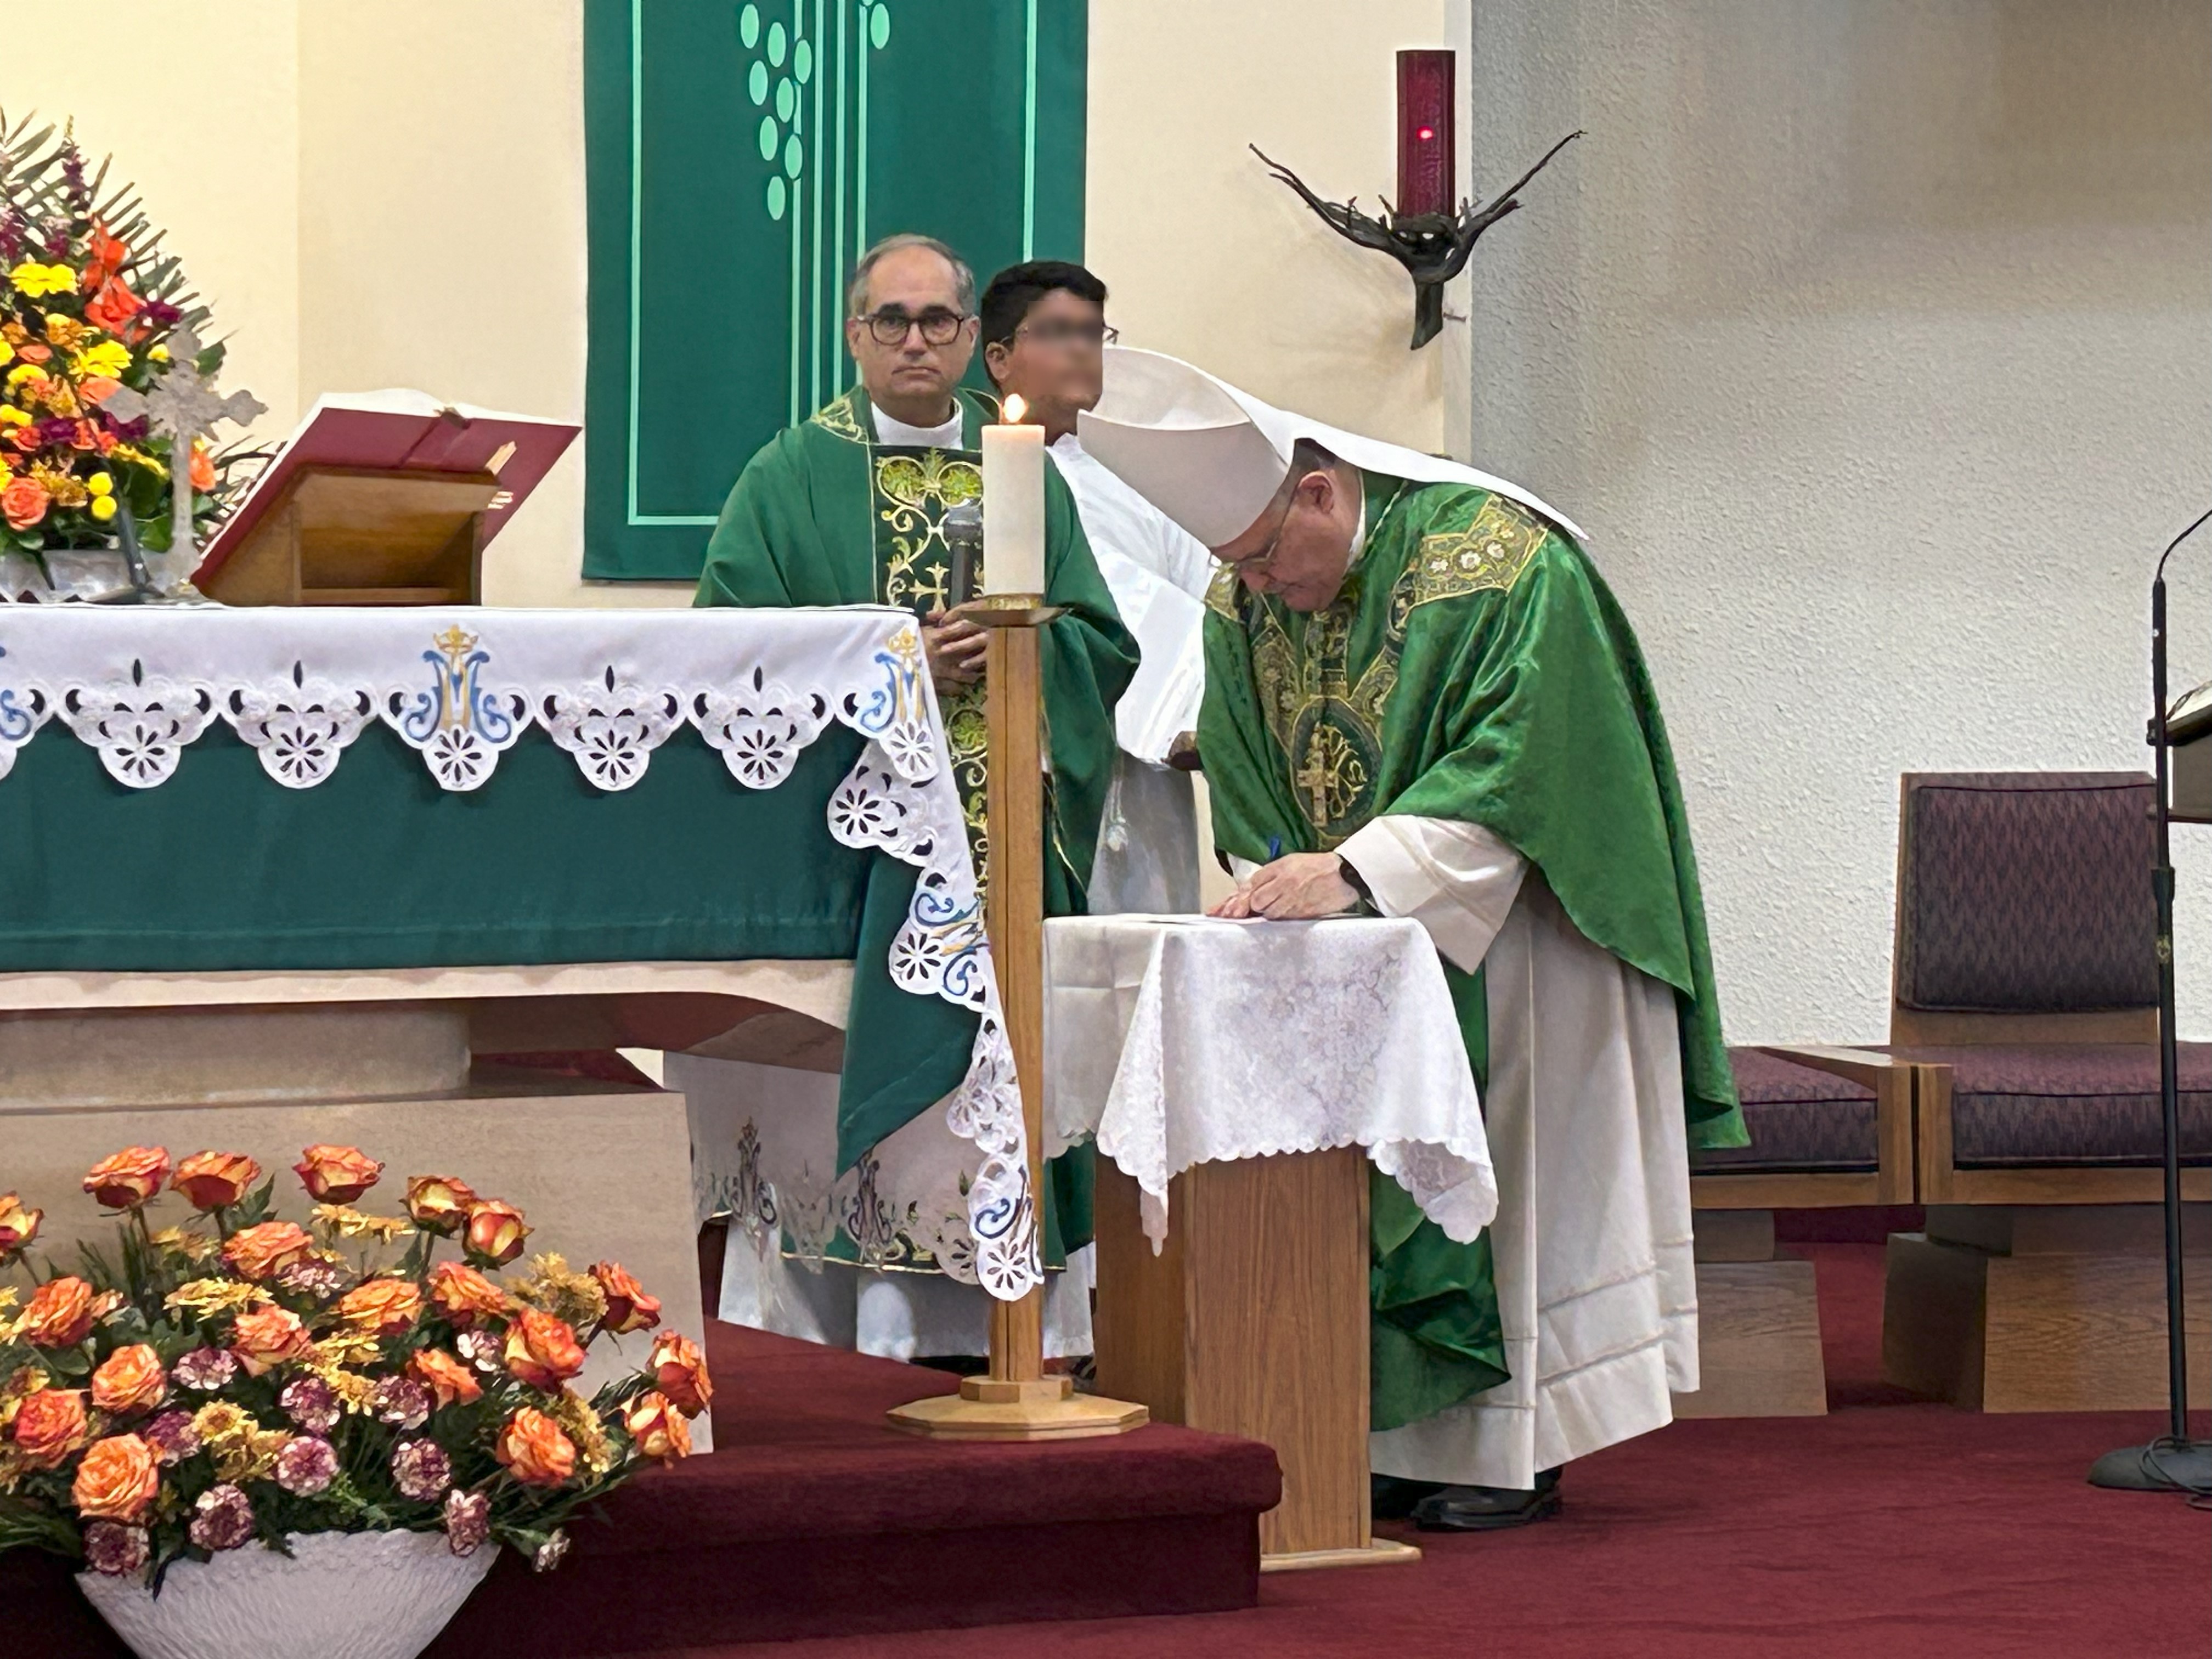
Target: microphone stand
x=2170, y=1462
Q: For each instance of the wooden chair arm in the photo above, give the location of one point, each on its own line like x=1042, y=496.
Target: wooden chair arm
x=1892, y=1082
x=1861, y=1066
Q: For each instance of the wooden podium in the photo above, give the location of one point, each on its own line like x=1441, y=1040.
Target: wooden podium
x=1252, y=1321
x=362, y=536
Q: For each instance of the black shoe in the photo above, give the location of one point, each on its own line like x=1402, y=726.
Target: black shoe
x=1391, y=1498
x=1488, y=1509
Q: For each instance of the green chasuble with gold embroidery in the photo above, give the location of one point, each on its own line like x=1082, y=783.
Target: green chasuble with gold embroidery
x=826, y=515
x=1475, y=667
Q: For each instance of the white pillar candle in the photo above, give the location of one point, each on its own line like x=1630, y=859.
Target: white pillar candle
x=1013, y=505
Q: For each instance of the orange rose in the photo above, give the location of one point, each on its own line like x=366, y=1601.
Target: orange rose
x=445, y=1377
x=535, y=1450
x=98, y=388
x=437, y=1204
x=60, y=1315
x=266, y=1248
x=495, y=1230
x=267, y=1337
x=24, y=500
x=18, y=1226
x=202, y=469
x=385, y=1306
x=629, y=1307
x=215, y=1181
x=128, y=1379
x=50, y=1424
x=541, y=1350
x=656, y=1429
x=117, y=1480
x=35, y=354
x=133, y=1175
x=466, y=1296
x=681, y=1370
x=336, y=1175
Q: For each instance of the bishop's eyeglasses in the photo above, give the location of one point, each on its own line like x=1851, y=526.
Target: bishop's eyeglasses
x=891, y=325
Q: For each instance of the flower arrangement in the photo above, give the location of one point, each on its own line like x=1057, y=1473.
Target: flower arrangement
x=241, y=1377
x=88, y=305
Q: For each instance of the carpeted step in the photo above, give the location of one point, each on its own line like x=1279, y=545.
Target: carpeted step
x=813, y=1517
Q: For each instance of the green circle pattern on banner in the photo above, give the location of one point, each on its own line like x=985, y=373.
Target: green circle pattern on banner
x=749, y=26
x=777, y=43
x=879, y=27
x=768, y=137
x=794, y=155
x=776, y=196
x=778, y=95
x=757, y=84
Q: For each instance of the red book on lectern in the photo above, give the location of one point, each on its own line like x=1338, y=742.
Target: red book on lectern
x=409, y=430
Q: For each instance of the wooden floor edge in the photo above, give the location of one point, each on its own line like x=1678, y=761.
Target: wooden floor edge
x=1383, y=1553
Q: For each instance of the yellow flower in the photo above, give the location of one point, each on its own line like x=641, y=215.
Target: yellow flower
x=110, y=357
x=593, y=1450
x=206, y=1295
x=100, y=483
x=551, y=1286
x=7, y=352
x=61, y=483
x=345, y=1348
x=65, y=332
x=11, y=415
x=193, y=1247
x=130, y=452
x=160, y=353
x=23, y=372
x=103, y=508
x=34, y=279
x=352, y=1223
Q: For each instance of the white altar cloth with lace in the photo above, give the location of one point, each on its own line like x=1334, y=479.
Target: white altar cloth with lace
x=1178, y=1040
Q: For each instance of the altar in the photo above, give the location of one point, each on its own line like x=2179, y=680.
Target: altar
x=281, y=876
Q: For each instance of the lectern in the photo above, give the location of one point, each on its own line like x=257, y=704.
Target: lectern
x=341, y=535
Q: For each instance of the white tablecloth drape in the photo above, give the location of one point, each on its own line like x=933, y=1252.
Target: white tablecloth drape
x=1178, y=1040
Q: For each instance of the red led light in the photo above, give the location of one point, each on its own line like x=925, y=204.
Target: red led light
x=1426, y=134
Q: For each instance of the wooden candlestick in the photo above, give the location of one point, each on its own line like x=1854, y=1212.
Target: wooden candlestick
x=1016, y=1400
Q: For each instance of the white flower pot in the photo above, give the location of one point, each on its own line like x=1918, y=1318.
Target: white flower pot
x=339, y=1595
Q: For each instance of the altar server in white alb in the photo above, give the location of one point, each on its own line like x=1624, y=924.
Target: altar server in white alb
x=1044, y=333
x=1422, y=698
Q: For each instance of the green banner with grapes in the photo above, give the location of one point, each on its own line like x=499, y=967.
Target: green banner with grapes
x=740, y=156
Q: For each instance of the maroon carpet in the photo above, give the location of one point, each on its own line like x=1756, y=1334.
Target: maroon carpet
x=813, y=1516
x=1897, y=1530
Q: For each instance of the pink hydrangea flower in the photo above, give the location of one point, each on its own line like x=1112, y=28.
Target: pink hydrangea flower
x=312, y=1403
x=421, y=1469
x=116, y=1550
x=171, y=1436
x=401, y=1402
x=205, y=1370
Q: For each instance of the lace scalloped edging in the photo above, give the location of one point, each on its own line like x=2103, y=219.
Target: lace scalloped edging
x=460, y=718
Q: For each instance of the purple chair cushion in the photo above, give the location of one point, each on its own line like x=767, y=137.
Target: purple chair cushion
x=2069, y=1103
x=2028, y=892
x=1801, y=1120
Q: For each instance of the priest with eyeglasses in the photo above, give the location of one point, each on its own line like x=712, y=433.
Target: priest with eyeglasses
x=848, y=507
x=1422, y=700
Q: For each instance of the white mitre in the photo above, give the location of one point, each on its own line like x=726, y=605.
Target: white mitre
x=1211, y=458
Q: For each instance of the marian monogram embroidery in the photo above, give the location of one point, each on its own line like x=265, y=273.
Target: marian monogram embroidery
x=1489, y=554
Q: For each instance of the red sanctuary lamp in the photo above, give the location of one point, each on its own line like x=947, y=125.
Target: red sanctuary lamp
x=1425, y=103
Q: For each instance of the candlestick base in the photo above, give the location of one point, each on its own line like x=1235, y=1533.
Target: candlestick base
x=988, y=1408
x=1010, y=611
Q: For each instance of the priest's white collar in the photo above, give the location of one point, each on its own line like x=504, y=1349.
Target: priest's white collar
x=892, y=430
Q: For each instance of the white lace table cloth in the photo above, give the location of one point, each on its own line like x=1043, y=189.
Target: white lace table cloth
x=461, y=685
x=1178, y=1040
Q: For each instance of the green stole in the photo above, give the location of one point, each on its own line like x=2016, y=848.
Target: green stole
x=1476, y=667
x=824, y=514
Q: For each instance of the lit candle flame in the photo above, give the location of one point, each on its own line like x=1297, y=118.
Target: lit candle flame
x=1016, y=407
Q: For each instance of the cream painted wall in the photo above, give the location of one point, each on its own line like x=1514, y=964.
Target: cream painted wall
x=1872, y=342
x=1206, y=256
x=221, y=176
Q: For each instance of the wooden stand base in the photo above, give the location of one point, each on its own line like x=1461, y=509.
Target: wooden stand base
x=1252, y=1321
x=1758, y=1324
x=1378, y=1552
x=986, y=1408
x=2040, y=1308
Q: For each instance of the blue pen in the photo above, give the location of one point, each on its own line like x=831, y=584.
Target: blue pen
x=1274, y=848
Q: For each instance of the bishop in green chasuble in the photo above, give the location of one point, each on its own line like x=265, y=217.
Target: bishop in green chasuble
x=827, y=513
x=1463, y=718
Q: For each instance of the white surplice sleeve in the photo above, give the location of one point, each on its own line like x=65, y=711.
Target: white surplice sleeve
x=1457, y=879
